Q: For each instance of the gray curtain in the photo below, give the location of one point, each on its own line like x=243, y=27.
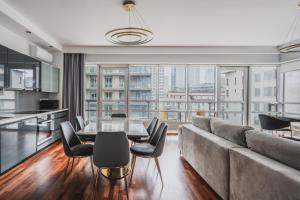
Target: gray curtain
x=73, y=85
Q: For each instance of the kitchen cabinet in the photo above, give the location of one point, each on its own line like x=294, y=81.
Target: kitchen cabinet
x=32, y=73
x=21, y=139
x=49, y=130
x=18, y=142
x=49, y=78
x=22, y=71
x=3, y=64
x=15, y=57
x=58, y=118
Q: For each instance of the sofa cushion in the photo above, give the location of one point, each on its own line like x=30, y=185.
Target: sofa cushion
x=202, y=122
x=231, y=132
x=283, y=150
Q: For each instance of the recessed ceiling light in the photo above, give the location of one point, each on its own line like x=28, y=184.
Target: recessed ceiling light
x=29, y=32
x=50, y=46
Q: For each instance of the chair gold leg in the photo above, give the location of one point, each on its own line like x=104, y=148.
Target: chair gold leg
x=72, y=163
x=126, y=187
x=66, y=168
x=159, y=171
x=91, y=159
x=97, y=177
x=132, y=168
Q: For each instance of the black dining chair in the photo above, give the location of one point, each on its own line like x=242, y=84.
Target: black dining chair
x=73, y=147
x=80, y=123
x=111, y=156
x=153, y=149
x=150, y=130
x=272, y=123
x=120, y=115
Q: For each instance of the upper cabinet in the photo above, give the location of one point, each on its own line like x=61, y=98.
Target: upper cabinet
x=49, y=78
x=23, y=72
x=3, y=64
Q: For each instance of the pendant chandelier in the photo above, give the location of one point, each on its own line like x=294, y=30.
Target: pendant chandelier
x=136, y=33
x=290, y=45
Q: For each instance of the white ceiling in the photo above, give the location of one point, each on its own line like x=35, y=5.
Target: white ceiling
x=174, y=22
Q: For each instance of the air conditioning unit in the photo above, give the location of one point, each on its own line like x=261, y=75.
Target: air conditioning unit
x=40, y=54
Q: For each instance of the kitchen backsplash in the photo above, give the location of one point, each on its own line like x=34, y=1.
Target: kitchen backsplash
x=15, y=101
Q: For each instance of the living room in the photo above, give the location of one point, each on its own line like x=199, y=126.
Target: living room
x=149, y=99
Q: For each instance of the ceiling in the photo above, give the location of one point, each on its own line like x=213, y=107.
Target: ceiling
x=174, y=22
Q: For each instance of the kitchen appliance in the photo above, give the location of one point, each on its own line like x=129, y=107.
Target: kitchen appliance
x=46, y=104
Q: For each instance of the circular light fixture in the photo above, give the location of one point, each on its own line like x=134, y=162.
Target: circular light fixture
x=290, y=45
x=136, y=33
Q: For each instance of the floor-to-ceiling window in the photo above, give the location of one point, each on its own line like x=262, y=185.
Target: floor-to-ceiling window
x=172, y=92
x=91, y=92
x=113, y=90
x=291, y=93
x=232, y=94
x=175, y=93
x=142, y=91
x=201, y=90
x=264, y=95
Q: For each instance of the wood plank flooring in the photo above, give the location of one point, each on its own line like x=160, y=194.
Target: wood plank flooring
x=41, y=177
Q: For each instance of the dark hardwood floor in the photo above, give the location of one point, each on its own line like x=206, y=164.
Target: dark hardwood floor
x=41, y=177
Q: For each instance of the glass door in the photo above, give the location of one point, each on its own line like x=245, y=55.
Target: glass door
x=232, y=94
x=113, y=95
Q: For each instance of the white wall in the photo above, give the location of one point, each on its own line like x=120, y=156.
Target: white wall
x=289, y=57
x=14, y=41
x=290, y=66
x=177, y=55
x=22, y=45
x=58, y=62
x=182, y=59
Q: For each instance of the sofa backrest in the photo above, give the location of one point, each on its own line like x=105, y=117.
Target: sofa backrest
x=202, y=123
x=228, y=131
x=280, y=149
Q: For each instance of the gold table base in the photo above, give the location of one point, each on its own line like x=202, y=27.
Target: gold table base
x=116, y=172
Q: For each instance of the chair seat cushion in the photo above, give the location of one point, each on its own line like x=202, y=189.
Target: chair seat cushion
x=82, y=150
x=142, y=149
x=140, y=140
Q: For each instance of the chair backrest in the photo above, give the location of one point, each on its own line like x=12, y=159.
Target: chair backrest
x=122, y=115
x=111, y=149
x=158, y=140
x=268, y=122
x=152, y=126
x=80, y=123
x=69, y=137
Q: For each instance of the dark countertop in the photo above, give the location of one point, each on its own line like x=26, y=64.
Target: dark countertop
x=14, y=117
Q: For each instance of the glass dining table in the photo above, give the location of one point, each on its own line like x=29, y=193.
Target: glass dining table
x=132, y=128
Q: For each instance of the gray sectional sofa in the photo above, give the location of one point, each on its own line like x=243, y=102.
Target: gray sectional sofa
x=240, y=163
